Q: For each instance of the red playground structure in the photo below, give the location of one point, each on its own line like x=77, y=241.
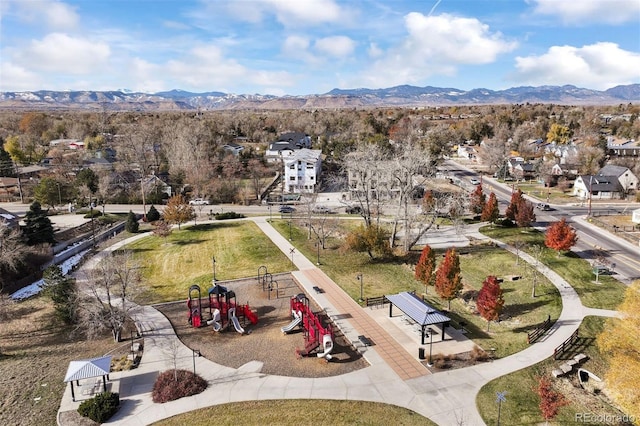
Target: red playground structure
x=223, y=309
x=318, y=339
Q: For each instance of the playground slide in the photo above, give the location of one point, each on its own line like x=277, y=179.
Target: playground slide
x=235, y=321
x=293, y=324
x=215, y=321
x=327, y=344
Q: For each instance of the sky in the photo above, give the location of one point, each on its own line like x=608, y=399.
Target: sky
x=301, y=47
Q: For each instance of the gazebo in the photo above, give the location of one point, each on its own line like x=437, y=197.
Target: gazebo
x=86, y=369
x=420, y=312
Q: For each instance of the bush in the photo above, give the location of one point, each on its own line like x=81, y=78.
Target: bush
x=153, y=214
x=101, y=408
x=506, y=222
x=132, y=224
x=175, y=384
x=228, y=215
x=92, y=214
x=478, y=354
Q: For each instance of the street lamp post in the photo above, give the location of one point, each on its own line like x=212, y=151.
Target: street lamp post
x=214, y=270
x=359, y=278
x=590, y=195
x=93, y=229
x=194, y=353
x=59, y=194
x=430, y=363
x=270, y=219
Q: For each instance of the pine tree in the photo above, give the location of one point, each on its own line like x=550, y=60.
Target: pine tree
x=38, y=228
x=448, y=278
x=153, y=214
x=477, y=200
x=491, y=212
x=426, y=267
x=490, y=300
x=132, y=224
x=524, y=213
x=512, y=209
x=61, y=290
x=560, y=236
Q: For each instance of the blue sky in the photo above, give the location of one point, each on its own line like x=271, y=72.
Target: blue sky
x=300, y=47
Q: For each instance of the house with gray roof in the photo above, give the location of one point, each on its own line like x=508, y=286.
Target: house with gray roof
x=597, y=187
x=628, y=180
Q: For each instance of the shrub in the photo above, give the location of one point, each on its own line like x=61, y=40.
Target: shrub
x=132, y=224
x=153, y=214
x=92, y=214
x=228, y=215
x=101, y=407
x=478, y=354
x=175, y=384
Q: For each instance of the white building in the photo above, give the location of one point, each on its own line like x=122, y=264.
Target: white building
x=302, y=171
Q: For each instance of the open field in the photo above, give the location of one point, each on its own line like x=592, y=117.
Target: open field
x=522, y=402
x=607, y=294
x=170, y=265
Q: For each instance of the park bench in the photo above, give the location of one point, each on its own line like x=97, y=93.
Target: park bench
x=318, y=289
x=365, y=340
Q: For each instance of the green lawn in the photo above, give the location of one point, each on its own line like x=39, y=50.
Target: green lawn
x=607, y=294
x=521, y=406
x=522, y=312
x=171, y=265
x=299, y=412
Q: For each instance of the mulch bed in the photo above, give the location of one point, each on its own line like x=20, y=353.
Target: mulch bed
x=264, y=342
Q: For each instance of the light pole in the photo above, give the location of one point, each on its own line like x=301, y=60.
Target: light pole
x=59, y=194
x=194, y=353
x=270, y=219
x=214, y=270
x=430, y=363
x=590, y=195
x=93, y=229
x=359, y=278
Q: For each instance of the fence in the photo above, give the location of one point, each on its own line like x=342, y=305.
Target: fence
x=376, y=301
x=539, y=331
x=630, y=233
x=557, y=352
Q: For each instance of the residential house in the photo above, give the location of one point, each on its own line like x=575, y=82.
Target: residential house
x=467, y=152
x=562, y=151
x=9, y=189
x=520, y=169
x=622, y=148
x=597, y=187
x=286, y=145
x=628, y=181
x=302, y=171
x=66, y=143
x=154, y=183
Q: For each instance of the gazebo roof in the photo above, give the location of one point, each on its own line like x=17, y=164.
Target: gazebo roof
x=420, y=312
x=87, y=368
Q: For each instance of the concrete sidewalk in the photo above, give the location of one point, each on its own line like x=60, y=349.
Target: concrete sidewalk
x=393, y=377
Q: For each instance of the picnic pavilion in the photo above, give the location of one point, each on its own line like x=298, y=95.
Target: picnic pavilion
x=88, y=369
x=418, y=312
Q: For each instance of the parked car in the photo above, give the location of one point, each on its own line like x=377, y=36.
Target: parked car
x=353, y=210
x=474, y=181
x=287, y=209
x=543, y=206
x=321, y=210
x=199, y=202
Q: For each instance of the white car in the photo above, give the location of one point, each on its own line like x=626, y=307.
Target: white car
x=199, y=202
x=474, y=181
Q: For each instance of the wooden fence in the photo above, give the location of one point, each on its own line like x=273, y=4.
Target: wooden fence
x=557, y=352
x=378, y=301
x=539, y=331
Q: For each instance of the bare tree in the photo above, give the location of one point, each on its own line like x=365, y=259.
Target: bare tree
x=12, y=251
x=113, y=283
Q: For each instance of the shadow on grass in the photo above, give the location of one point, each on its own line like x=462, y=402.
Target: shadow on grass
x=579, y=346
x=523, y=308
x=473, y=331
x=213, y=226
x=188, y=242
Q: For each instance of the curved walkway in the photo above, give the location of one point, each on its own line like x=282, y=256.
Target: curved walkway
x=393, y=377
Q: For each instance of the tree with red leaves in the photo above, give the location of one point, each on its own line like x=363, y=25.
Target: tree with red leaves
x=448, y=278
x=490, y=300
x=491, y=212
x=426, y=267
x=550, y=400
x=524, y=213
x=512, y=208
x=560, y=236
x=477, y=200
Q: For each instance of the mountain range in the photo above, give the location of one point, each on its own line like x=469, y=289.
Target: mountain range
x=399, y=96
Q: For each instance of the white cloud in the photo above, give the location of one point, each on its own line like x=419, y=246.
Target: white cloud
x=295, y=45
x=437, y=45
x=336, y=46
x=374, y=51
x=16, y=78
x=58, y=52
x=596, y=66
x=54, y=14
x=587, y=11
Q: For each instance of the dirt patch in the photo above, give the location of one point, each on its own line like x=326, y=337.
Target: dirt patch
x=265, y=342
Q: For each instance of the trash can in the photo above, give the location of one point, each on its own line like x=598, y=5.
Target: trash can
x=421, y=353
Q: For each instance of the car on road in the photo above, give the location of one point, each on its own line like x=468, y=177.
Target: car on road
x=353, y=210
x=287, y=209
x=543, y=206
x=199, y=202
x=321, y=210
x=474, y=181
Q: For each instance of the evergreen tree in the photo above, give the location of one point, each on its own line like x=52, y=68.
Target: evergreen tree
x=88, y=178
x=477, y=200
x=491, y=211
x=490, y=300
x=448, y=278
x=6, y=164
x=61, y=290
x=426, y=267
x=153, y=214
x=132, y=224
x=38, y=228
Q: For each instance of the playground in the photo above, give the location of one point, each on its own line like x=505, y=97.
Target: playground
x=261, y=337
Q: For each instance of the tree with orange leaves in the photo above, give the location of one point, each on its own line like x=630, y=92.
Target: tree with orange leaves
x=426, y=266
x=448, y=278
x=550, y=399
x=490, y=300
x=560, y=236
x=491, y=211
x=477, y=200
